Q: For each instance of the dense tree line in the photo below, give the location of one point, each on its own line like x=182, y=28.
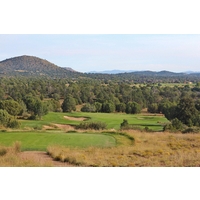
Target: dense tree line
x=34, y=97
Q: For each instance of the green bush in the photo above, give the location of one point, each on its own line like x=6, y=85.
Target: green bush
x=193, y=129
x=91, y=125
x=4, y=117
x=124, y=124
x=147, y=129
x=32, y=117
x=88, y=108
x=7, y=120
x=3, y=151
x=14, y=124
x=176, y=125
x=37, y=127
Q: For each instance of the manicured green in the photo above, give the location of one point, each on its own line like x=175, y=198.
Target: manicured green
x=41, y=140
x=113, y=120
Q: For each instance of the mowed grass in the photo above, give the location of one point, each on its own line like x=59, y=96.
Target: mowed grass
x=41, y=140
x=50, y=118
x=112, y=120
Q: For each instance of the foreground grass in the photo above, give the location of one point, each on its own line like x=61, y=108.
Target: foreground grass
x=113, y=120
x=149, y=149
x=40, y=140
x=10, y=157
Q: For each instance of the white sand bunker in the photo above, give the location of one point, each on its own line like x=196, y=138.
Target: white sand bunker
x=75, y=118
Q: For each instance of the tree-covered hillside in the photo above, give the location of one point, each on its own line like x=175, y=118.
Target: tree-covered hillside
x=33, y=66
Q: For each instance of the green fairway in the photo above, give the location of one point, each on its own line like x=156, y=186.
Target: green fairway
x=41, y=140
x=113, y=120
x=50, y=118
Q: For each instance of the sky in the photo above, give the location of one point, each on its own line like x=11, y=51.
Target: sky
x=100, y=52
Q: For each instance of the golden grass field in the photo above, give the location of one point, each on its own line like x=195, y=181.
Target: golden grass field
x=12, y=157
x=148, y=150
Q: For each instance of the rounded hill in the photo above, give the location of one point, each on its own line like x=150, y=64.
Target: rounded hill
x=33, y=66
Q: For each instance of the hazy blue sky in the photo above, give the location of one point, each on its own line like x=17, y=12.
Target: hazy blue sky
x=92, y=52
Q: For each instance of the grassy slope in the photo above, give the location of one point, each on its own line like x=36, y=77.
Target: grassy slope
x=112, y=120
x=50, y=118
x=40, y=140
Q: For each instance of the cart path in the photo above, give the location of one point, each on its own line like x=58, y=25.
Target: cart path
x=43, y=158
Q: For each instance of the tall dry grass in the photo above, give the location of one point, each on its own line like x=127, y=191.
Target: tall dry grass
x=11, y=157
x=149, y=150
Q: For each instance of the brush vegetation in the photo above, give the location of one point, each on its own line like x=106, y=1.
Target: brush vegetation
x=11, y=157
x=148, y=150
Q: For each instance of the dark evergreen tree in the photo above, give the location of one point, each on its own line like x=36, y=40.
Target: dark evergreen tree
x=69, y=104
x=186, y=111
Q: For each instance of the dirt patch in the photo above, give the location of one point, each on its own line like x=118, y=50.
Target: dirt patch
x=43, y=158
x=75, y=118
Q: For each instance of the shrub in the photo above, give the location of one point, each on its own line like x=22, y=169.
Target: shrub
x=193, y=129
x=88, y=108
x=124, y=124
x=37, y=127
x=153, y=108
x=176, y=125
x=133, y=108
x=4, y=117
x=3, y=151
x=14, y=124
x=91, y=125
x=7, y=120
x=147, y=129
x=32, y=117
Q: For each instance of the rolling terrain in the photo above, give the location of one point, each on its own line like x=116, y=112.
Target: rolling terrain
x=33, y=66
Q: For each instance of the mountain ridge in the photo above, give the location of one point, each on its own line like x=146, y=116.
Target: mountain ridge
x=36, y=67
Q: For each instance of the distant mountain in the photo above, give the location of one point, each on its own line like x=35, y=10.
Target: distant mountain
x=143, y=73
x=33, y=66
x=161, y=73
x=115, y=71
x=191, y=72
